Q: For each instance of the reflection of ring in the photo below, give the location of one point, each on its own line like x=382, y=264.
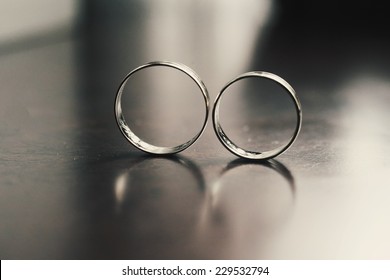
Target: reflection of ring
x=134, y=139
x=180, y=160
x=250, y=154
x=120, y=187
x=272, y=164
x=216, y=196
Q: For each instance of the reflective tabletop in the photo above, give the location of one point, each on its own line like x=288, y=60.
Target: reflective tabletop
x=72, y=187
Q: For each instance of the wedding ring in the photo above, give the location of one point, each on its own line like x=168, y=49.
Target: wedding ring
x=232, y=147
x=132, y=137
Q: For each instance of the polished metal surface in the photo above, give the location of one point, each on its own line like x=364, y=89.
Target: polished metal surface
x=228, y=143
x=133, y=138
x=72, y=187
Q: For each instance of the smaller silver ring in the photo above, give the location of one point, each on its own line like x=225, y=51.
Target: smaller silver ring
x=132, y=137
x=232, y=147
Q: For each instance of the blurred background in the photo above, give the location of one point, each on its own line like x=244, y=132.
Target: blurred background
x=72, y=187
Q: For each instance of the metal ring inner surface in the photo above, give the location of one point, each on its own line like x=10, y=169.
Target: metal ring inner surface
x=232, y=147
x=132, y=137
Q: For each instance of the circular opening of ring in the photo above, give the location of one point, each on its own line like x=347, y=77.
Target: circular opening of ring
x=163, y=106
x=258, y=114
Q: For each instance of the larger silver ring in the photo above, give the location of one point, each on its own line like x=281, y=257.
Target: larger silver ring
x=232, y=147
x=134, y=139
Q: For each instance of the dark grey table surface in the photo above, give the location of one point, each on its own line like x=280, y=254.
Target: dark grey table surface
x=72, y=187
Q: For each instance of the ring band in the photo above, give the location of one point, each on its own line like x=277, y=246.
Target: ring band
x=134, y=139
x=250, y=154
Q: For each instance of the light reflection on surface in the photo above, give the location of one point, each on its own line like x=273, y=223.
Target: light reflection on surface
x=123, y=181
x=366, y=117
x=344, y=215
x=157, y=216
x=236, y=217
x=246, y=208
x=121, y=189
